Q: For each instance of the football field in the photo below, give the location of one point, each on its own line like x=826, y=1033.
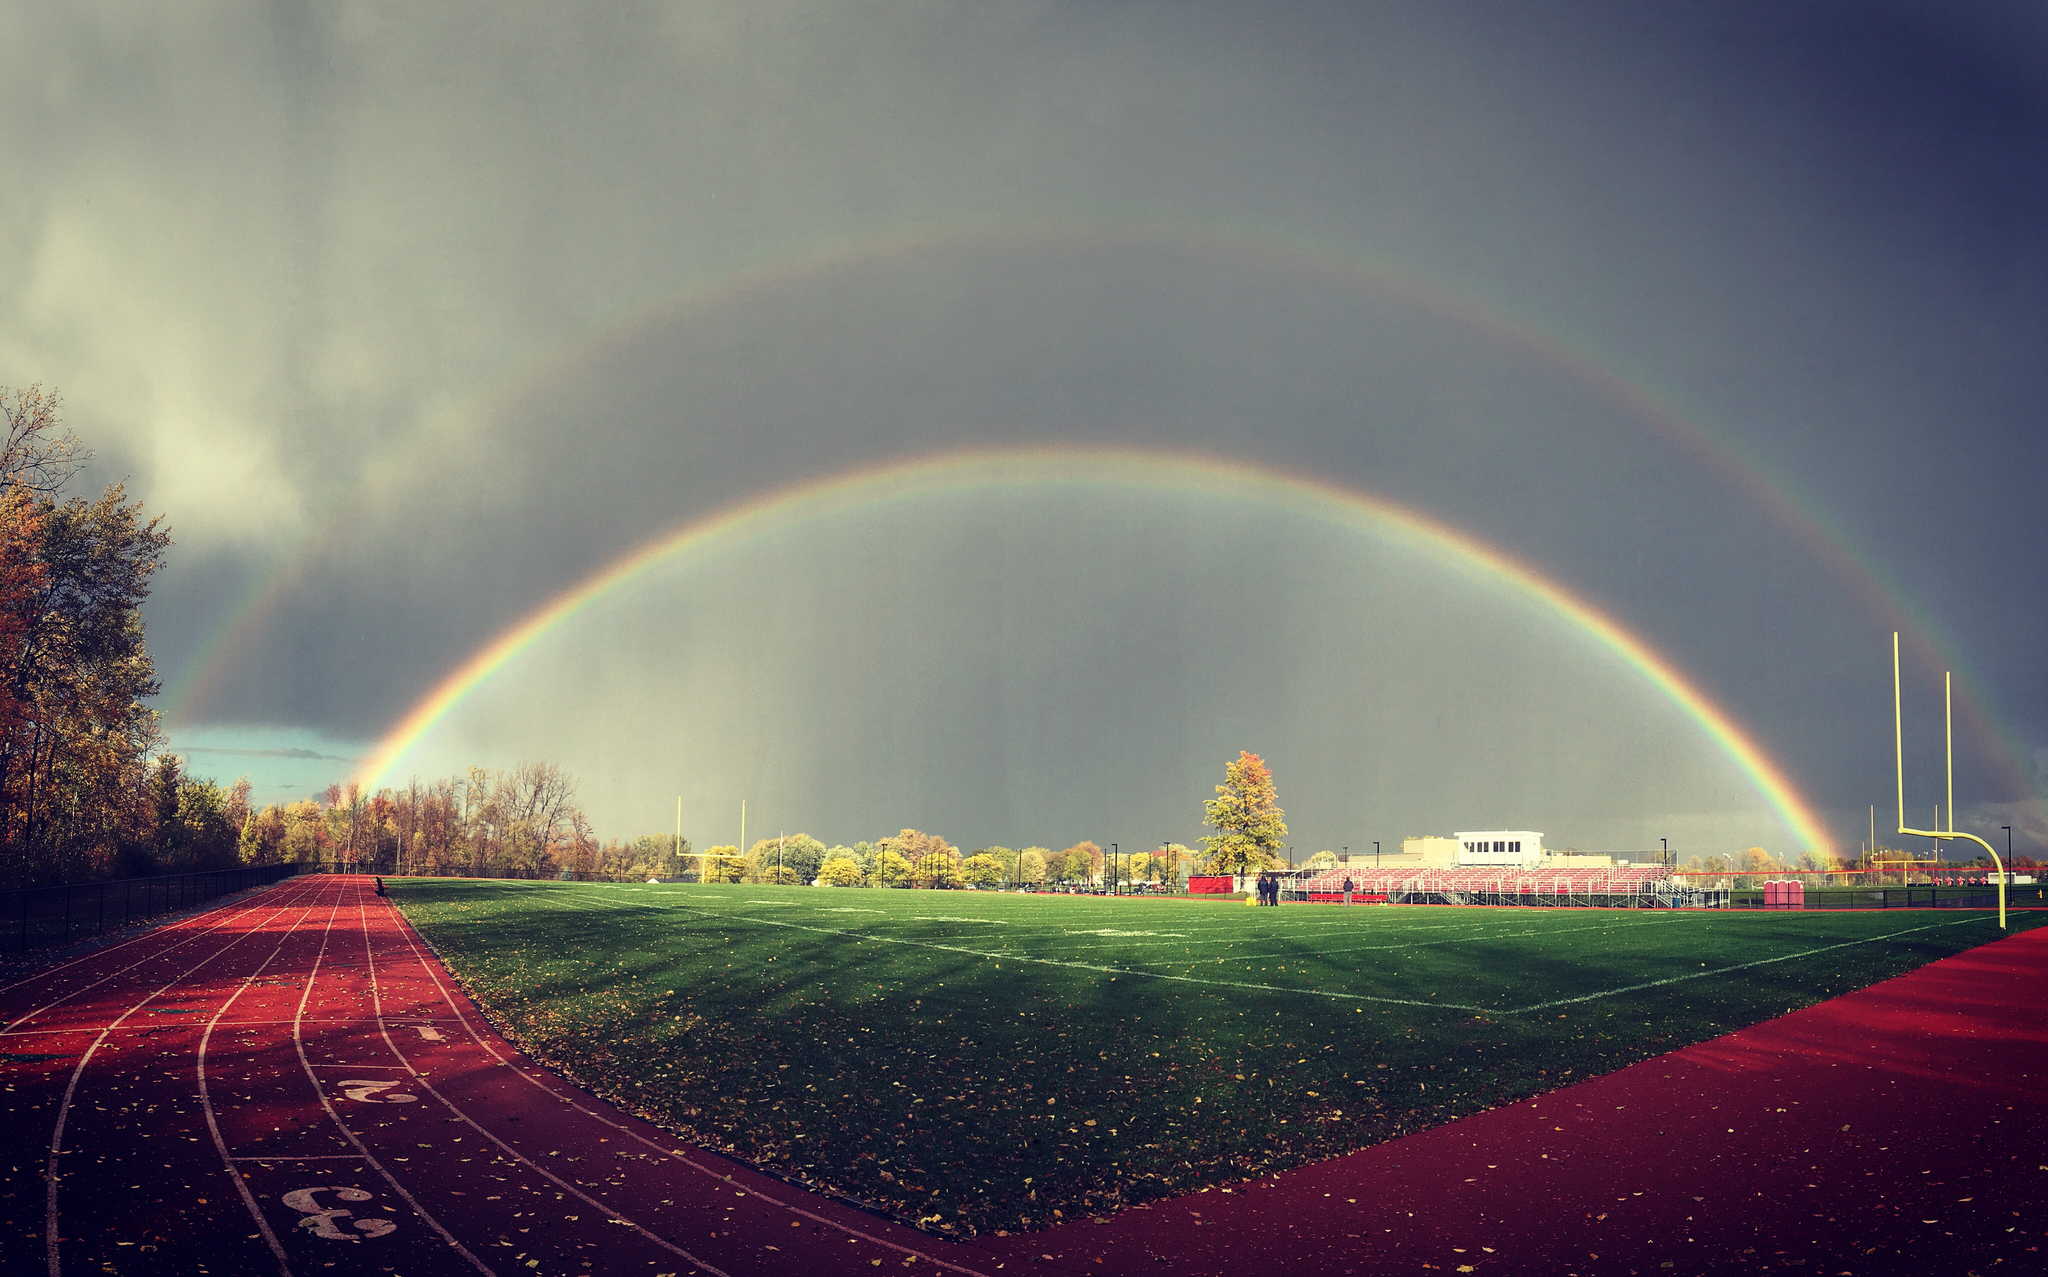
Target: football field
x=978, y=1061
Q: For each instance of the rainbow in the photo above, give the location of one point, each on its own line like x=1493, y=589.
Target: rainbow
x=201, y=679
x=1178, y=473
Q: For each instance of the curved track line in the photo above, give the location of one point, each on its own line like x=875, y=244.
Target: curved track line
x=155, y=933
x=383, y=1028
x=149, y=932
x=52, y=1177
x=299, y=1041
x=206, y=1099
x=429, y=963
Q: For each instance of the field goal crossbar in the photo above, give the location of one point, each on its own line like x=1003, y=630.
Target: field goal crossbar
x=1899, y=772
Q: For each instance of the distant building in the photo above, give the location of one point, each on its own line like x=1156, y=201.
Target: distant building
x=1427, y=850
x=1520, y=848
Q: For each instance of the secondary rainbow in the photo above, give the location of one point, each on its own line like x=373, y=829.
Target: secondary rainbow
x=191, y=688
x=1195, y=474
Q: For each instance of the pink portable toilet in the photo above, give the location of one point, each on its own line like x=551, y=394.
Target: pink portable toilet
x=1795, y=895
x=1773, y=894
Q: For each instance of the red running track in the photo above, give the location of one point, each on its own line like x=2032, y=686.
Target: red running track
x=291, y=1083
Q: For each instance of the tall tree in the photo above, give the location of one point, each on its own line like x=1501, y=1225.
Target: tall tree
x=1245, y=813
x=73, y=762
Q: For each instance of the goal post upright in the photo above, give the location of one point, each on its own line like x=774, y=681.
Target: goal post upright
x=1899, y=768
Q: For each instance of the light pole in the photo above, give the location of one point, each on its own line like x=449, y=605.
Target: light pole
x=2008, y=852
x=1667, y=851
x=1375, y=855
x=1114, y=866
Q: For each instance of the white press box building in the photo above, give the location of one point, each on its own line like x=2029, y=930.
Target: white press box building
x=1516, y=848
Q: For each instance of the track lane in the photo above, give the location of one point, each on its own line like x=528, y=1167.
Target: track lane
x=894, y=1242
x=128, y=1075
x=735, y=1219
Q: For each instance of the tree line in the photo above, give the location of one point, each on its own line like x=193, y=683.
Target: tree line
x=913, y=858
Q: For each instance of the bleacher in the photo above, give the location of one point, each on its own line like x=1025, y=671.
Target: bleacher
x=1488, y=884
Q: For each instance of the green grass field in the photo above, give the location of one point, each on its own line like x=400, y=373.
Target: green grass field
x=974, y=1061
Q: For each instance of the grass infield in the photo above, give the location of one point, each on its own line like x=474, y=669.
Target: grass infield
x=970, y=1061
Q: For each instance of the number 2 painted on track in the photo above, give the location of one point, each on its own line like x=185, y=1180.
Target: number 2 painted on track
x=356, y=1088
x=320, y=1220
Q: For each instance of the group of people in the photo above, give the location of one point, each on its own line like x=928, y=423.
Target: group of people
x=1268, y=886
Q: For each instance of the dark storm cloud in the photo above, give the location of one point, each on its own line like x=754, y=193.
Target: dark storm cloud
x=278, y=258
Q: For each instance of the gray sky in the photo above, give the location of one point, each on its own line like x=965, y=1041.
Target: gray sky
x=425, y=314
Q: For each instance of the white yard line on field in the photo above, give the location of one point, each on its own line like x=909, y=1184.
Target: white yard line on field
x=1740, y=966
x=1136, y=973
x=1072, y=966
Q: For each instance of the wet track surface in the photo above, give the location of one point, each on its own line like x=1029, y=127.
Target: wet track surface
x=292, y=1083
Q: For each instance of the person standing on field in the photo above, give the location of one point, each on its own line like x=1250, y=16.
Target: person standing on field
x=1347, y=890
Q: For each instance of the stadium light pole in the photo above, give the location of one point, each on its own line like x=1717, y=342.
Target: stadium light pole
x=1667, y=851
x=1375, y=855
x=2008, y=846
x=1113, y=867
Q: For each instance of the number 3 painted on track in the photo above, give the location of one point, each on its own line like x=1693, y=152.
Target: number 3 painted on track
x=357, y=1088
x=320, y=1220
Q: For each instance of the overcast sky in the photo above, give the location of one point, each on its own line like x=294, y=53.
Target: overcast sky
x=1728, y=318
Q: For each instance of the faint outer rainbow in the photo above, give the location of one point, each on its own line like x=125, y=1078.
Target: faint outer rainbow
x=190, y=689
x=1194, y=474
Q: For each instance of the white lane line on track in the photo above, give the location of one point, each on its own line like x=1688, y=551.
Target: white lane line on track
x=284, y=1266
x=299, y=1042
x=52, y=1177
x=238, y=906
x=377, y=1002
x=153, y=933
x=428, y=964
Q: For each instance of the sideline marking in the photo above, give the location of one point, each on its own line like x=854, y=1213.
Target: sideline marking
x=413, y=940
x=1741, y=966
